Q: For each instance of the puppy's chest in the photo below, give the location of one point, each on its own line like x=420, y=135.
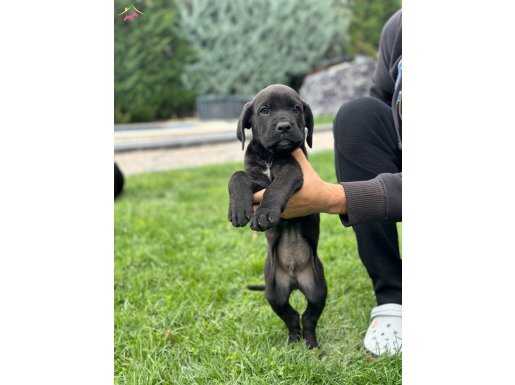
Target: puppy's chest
x=267, y=170
x=263, y=172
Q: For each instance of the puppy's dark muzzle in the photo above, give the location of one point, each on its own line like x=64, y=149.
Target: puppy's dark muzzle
x=285, y=137
x=283, y=127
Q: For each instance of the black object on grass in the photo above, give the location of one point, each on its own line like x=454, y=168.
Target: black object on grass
x=119, y=181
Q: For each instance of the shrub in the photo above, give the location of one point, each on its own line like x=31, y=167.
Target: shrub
x=244, y=45
x=150, y=56
x=368, y=18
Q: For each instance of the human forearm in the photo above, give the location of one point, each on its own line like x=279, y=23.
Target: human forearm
x=325, y=198
x=377, y=199
x=315, y=195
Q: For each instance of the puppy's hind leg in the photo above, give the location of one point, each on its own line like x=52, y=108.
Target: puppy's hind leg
x=313, y=286
x=278, y=294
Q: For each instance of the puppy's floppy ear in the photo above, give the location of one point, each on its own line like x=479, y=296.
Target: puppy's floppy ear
x=244, y=122
x=308, y=119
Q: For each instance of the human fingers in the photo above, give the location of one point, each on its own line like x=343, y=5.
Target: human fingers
x=258, y=196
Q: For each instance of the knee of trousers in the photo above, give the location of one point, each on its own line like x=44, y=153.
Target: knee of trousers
x=359, y=120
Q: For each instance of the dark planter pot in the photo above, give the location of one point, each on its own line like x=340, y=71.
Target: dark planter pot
x=220, y=107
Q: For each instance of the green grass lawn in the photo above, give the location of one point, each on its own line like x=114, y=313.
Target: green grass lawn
x=182, y=314
x=323, y=119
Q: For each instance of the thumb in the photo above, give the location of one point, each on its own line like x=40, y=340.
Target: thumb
x=303, y=162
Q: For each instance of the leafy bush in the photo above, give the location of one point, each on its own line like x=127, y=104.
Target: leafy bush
x=368, y=18
x=244, y=45
x=150, y=56
x=182, y=48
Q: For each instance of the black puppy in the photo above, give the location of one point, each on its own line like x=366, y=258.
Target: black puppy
x=278, y=118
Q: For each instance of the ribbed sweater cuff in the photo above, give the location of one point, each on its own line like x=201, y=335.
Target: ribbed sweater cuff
x=365, y=201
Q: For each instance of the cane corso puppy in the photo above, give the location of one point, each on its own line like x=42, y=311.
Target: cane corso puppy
x=278, y=119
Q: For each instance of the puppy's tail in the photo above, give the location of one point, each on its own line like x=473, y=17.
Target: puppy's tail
x=256, y=287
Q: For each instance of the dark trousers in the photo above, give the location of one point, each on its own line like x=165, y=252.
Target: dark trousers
x=365, y=145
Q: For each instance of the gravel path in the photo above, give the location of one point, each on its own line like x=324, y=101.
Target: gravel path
x=136, y=162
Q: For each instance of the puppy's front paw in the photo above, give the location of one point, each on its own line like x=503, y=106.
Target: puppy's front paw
x=265, y=218
x=240, y=213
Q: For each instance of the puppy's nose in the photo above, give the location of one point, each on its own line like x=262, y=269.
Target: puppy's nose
x=283, y=126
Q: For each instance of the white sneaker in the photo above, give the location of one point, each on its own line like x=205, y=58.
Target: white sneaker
x=384, y=335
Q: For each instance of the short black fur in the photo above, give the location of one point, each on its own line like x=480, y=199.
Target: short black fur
x=279, y=119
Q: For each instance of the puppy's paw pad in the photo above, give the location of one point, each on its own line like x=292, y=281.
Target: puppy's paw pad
x=265, y=218
x=254, y=224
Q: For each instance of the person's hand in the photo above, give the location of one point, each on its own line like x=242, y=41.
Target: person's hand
x=315, y=196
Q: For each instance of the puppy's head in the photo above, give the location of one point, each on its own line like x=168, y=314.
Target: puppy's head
x=278, y=118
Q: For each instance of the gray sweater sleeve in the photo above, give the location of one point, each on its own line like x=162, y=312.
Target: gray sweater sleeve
x=378, y=199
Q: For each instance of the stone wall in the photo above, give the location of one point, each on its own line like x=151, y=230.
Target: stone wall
x=325, y=91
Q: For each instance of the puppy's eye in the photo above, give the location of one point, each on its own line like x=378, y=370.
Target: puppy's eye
x=297, y=109
x=265, y=110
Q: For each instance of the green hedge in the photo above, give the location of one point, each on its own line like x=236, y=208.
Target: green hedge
x=243, y=46
x=150, y=56
x=200, y=42
x=368, y=18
